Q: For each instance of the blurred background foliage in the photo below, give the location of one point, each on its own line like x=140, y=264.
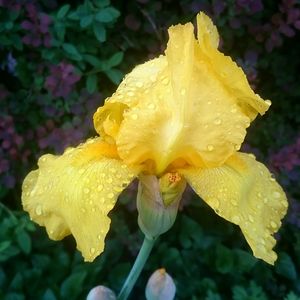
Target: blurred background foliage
x=58, y=62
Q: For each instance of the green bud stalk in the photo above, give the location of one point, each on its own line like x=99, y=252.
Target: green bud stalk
x=157, y=202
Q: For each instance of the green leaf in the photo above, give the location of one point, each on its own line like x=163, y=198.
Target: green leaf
x=86, y=21
x=91, y=83
x=63, y=11
x=292, y=296
x=101, y=3
x=245, y=261
x=72, y=286
x=114, y=75
x=285, y=266
x=107, y=15
x=49, y=295
x=93, y=60
x=99, y=32
x=72, y=51
x=4, y=245
x=24, y=241
x=14, y=296
x=224, y=259
x=116, y=59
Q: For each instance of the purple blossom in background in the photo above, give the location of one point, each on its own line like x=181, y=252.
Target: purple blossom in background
x=10, y=144
x=72, y=132
x=11, y=4
x=61, y=80
x=294, y=213
x=37, y=27
x=252, y=6
x=287, y=158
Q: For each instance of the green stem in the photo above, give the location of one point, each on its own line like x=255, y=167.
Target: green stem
x=137, y=268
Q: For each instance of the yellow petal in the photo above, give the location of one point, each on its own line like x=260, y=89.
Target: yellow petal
x=230, y=75
x=182, y=106
x=243, y=192
x=74, y=192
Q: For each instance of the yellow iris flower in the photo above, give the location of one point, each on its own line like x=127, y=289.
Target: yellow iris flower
x=184, y=113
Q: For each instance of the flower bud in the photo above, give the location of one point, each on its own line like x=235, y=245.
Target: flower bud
x=101, y=292
x=160, y=286
x=157, y=202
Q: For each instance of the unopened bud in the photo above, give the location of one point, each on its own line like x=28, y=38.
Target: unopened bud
x=160, y=286
x=157, y=202
x=101, y=292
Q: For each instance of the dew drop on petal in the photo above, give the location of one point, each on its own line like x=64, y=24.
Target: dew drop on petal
x=217, y=121
x=210, y=147
x=92, y=250
x=139, y=84
x=236, y=219
x=134, y=116
x=165, y=81
x=183, y=92
x=39, y=210
x=268, y=102
x=86, y=190
x=110, y=195
x=273, y=224
x=276, y=195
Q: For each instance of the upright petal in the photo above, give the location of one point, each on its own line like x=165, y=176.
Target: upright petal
x=183, y=106
x=74, y=192
x=243, y=192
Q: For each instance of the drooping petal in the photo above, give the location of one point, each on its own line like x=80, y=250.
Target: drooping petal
x=182, y=106
x=243, y=192
x=74, y=192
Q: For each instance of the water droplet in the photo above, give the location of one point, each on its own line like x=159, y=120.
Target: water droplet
x=284, y=203
x=93, y=209
x=39, y=210
x=130, y=94
x=237, y=147
x=51, y=232
x=233, y=202
x=234, y=110
x=120, y=96
x=223, y=74
x=99, y=237
x=277, y=195
x=83, y=210
x=273, y=224
x=259, y=195
x=86, y=190
x=236, y=219
x=81, y=171
x=109, y=180
x=110, y=195
x=165, y=81
x=251, y=218
x=91, y=202
x=183, y=92
x=113, y=170
x=151, y=106
x=92, y=250
x=139, y=84
x=210, y=147
x=268, y=102
x=100, y=187
x=217, y=121
x=153, y=78
x=134, y=116
x=209, y=102
x=266, y=200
